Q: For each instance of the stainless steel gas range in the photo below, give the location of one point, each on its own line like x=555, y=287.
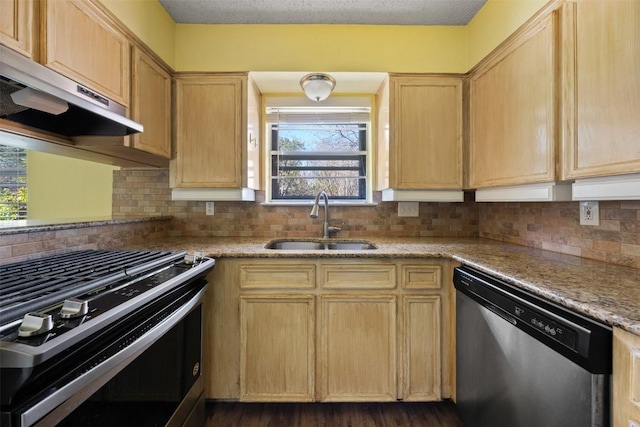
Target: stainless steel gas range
x=102, y=338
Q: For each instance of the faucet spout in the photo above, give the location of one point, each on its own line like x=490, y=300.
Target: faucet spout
x=326, y=228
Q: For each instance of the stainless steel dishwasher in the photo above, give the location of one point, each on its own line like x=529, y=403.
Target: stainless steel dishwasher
x=523, y=361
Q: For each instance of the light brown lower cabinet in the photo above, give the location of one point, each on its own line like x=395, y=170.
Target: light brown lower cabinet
x=286, y=330
x=277, y=348
x=358, y=356
x=626, y=379
x=421, y=348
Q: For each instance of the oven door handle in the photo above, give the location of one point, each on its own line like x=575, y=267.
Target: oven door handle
x=73, y=394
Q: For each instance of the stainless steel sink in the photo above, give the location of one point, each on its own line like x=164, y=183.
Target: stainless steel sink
x=351, y=246
x=295, y=245
x=306, y=245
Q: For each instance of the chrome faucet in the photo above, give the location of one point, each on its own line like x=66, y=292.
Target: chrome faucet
x=326, y=228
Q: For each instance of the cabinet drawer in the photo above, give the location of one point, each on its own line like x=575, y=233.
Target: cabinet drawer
x=421, y=276
x=358, y=276
x=276, y=275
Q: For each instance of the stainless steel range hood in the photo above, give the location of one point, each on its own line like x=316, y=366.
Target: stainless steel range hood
x=88, y=113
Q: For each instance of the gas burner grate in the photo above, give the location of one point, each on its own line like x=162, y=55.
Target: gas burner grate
x=37, y=284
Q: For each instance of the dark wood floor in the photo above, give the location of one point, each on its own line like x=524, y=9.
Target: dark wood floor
x=232, y=414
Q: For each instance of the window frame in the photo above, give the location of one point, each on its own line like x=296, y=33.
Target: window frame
x=21, y=207
x=291, y=105
x=361, y=156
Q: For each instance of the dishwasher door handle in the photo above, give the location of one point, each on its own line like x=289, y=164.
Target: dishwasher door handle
x=506, y=316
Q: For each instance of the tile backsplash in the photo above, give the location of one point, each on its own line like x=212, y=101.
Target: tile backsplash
x=147, y=192
x=556, y=227
x=45, y=241
x=550, y=226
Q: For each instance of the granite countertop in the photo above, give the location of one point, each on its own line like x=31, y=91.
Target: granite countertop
x=599, y=290
x=40, y=225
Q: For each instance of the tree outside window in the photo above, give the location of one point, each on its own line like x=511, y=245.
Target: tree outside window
x=13, y=183
x=307, y=158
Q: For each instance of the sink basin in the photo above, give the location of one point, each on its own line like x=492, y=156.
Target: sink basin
x=306, y=245
x=351, y=246
x=295, y=245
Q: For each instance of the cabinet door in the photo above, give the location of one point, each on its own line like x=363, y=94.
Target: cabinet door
x=382, y=134
x=277, y=348
x=421, y=348
x=358, y=345
x=209, y=131
x=80, y=43
x=252, y=164
x=17, y=26
x=626, y=379
x=513, y=111
x=151, y=104
x=603, y=97
x=425, y=136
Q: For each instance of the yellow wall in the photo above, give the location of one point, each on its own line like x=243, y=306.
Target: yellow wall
x=494, y=23
x=191, y=47
x=61, y=187
x=320, y=48
x=150, y=22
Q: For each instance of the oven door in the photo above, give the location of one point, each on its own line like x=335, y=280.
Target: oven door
x=145, y=371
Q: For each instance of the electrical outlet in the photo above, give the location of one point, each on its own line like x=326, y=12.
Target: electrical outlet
x=408, y=209
x=589, y=213
x=209, y=208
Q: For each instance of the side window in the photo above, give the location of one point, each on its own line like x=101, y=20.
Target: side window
x=13, y=183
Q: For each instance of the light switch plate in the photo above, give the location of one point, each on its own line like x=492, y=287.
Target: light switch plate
x=589, y=213
x=408, y=209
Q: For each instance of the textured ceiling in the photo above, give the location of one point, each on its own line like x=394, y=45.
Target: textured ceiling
x=374, y=12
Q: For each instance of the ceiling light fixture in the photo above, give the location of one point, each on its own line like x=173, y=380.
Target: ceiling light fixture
x=317, y=86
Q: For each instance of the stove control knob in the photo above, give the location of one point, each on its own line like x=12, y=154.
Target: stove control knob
x=35, y=324
x=74, y=307
x=193, y=259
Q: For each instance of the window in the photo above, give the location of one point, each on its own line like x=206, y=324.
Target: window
x=319, y=150
x=13, y=183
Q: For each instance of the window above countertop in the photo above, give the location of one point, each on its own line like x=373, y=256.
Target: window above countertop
x=318, y=146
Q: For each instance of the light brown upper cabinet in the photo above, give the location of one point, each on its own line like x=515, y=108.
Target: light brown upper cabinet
x=420, y=132
x=213, y=145
x=17, y=26
x=513, y=108
x=602, y=87
x=151, y=104
x=79, y=42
